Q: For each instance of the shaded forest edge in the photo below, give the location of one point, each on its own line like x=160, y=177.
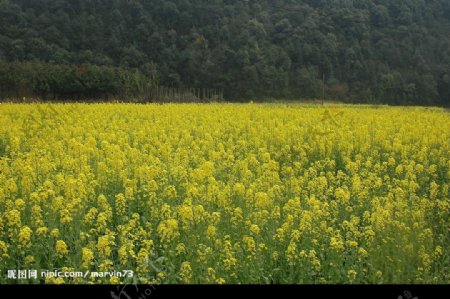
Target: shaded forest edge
x=367, y=51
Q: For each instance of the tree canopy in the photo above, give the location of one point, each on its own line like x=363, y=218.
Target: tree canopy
x=374, y=51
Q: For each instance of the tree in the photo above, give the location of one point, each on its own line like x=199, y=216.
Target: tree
x=373, y=51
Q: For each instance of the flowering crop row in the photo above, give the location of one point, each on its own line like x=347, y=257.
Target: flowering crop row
x=226, y=193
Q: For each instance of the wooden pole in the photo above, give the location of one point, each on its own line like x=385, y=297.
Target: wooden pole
x=323, y=88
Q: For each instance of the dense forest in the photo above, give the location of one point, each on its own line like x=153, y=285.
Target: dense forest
x=374, y=51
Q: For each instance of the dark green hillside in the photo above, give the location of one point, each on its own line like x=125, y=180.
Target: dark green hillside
x=377, y=51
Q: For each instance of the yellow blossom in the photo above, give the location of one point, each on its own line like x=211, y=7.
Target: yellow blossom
x=25, y=237
x=61, y=248
x=185, y=272
x=88, y=258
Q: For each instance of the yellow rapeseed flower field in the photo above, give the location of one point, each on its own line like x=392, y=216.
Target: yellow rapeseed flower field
x=226, y=193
